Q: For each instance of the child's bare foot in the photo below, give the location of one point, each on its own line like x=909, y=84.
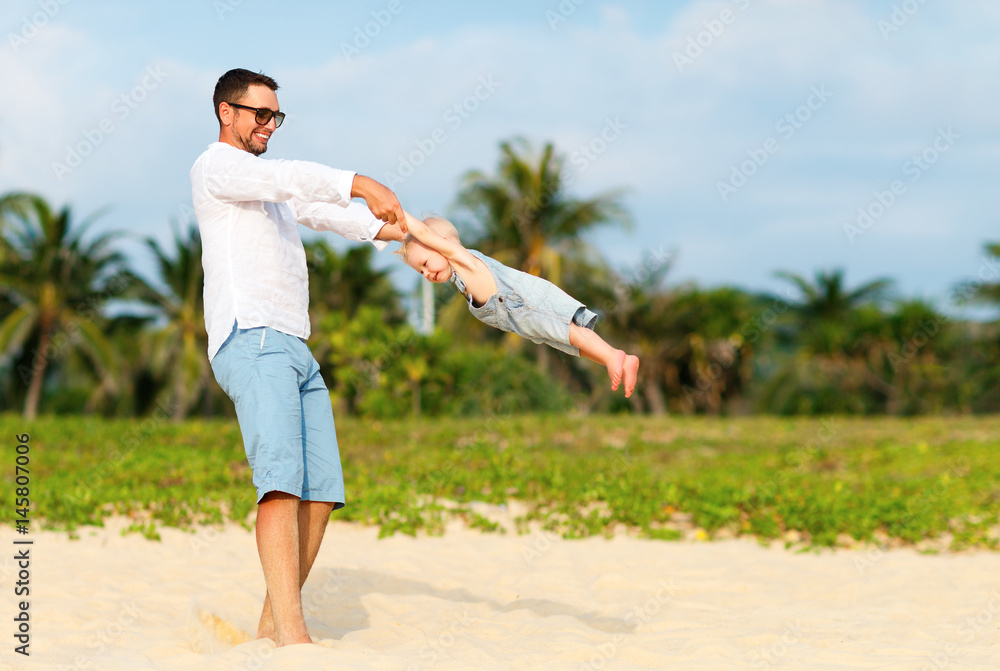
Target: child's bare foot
x=631, y=370
x=617, y=369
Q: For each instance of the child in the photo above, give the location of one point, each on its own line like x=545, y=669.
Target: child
x=511, y=300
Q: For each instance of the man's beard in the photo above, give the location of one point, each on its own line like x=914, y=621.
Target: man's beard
x=249, y=144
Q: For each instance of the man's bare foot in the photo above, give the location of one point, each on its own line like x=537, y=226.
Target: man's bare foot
x=617, y=369
x=266, y=630
x=294, y=640
x=265, y=626
x=631, y=370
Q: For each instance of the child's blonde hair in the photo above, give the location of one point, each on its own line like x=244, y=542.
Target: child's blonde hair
x=439, y=225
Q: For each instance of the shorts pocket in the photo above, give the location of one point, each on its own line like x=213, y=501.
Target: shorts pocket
x=512, y=302
x=234, y=363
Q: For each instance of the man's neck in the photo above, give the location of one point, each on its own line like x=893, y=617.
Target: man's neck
x=227, y=138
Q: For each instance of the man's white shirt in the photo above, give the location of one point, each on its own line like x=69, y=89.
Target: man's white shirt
x=248, y=210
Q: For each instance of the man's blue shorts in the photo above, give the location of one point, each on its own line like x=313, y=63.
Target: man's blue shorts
x=285, y=414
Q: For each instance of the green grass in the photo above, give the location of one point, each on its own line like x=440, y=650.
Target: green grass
x=828, y=482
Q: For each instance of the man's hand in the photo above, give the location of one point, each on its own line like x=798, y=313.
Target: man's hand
x=396, y=232
x=380, y=199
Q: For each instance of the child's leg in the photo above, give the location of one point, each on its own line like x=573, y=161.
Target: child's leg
x=597, y=350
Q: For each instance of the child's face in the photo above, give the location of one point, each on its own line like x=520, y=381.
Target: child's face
x=429, y=263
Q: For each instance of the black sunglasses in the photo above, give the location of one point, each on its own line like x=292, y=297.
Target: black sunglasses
x=263, y=115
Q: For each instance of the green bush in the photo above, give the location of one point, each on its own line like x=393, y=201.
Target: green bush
x=488, y=380
x=383, y=370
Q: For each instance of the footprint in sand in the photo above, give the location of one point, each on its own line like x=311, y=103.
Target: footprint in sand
x=226, y=632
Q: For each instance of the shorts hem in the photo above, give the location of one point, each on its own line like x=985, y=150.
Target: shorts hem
x=336, y=498
x=267, y=488
x=584, y=318
x=562, y=347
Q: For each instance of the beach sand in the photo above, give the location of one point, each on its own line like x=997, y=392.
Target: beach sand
x=471, y=600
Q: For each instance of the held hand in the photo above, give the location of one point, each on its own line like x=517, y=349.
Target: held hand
x=422, y=232
x=380, y=199
x=411, y=224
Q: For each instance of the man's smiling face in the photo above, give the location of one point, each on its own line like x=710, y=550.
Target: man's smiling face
x=246, y=132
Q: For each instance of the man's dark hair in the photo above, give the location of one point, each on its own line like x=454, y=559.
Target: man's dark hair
x=233, y=85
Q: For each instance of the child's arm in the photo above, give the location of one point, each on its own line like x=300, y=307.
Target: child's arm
x=456, y=254
x=392, y=232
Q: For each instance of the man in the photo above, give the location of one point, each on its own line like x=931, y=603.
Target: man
x=256, y=313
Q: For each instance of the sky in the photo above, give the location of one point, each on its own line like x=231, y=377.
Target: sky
x=745, y=136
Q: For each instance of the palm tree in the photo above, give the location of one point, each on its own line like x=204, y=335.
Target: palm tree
x=981, y=291
x=825, y=307
x=694, y=356
x=919, y=351
x=343, y=284
x=7, y=306
x=525, y=217
x=636, y=310
x=178, y=349
x=347, y=281
x=58, y=282
x=983, y=346
x=840, y=337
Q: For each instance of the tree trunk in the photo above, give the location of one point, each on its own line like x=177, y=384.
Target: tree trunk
x=415, y=396
x=206, y=392
x=654, y=397
x=180, y=402
x=543, y=360
x=635, y=402
x=38, y=366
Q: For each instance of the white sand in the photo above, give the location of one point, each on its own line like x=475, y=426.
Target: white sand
x=470, y=600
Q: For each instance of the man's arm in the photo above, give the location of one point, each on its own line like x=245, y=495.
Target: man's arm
x=381, y=200
x=233, y=175
x=354, y=222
